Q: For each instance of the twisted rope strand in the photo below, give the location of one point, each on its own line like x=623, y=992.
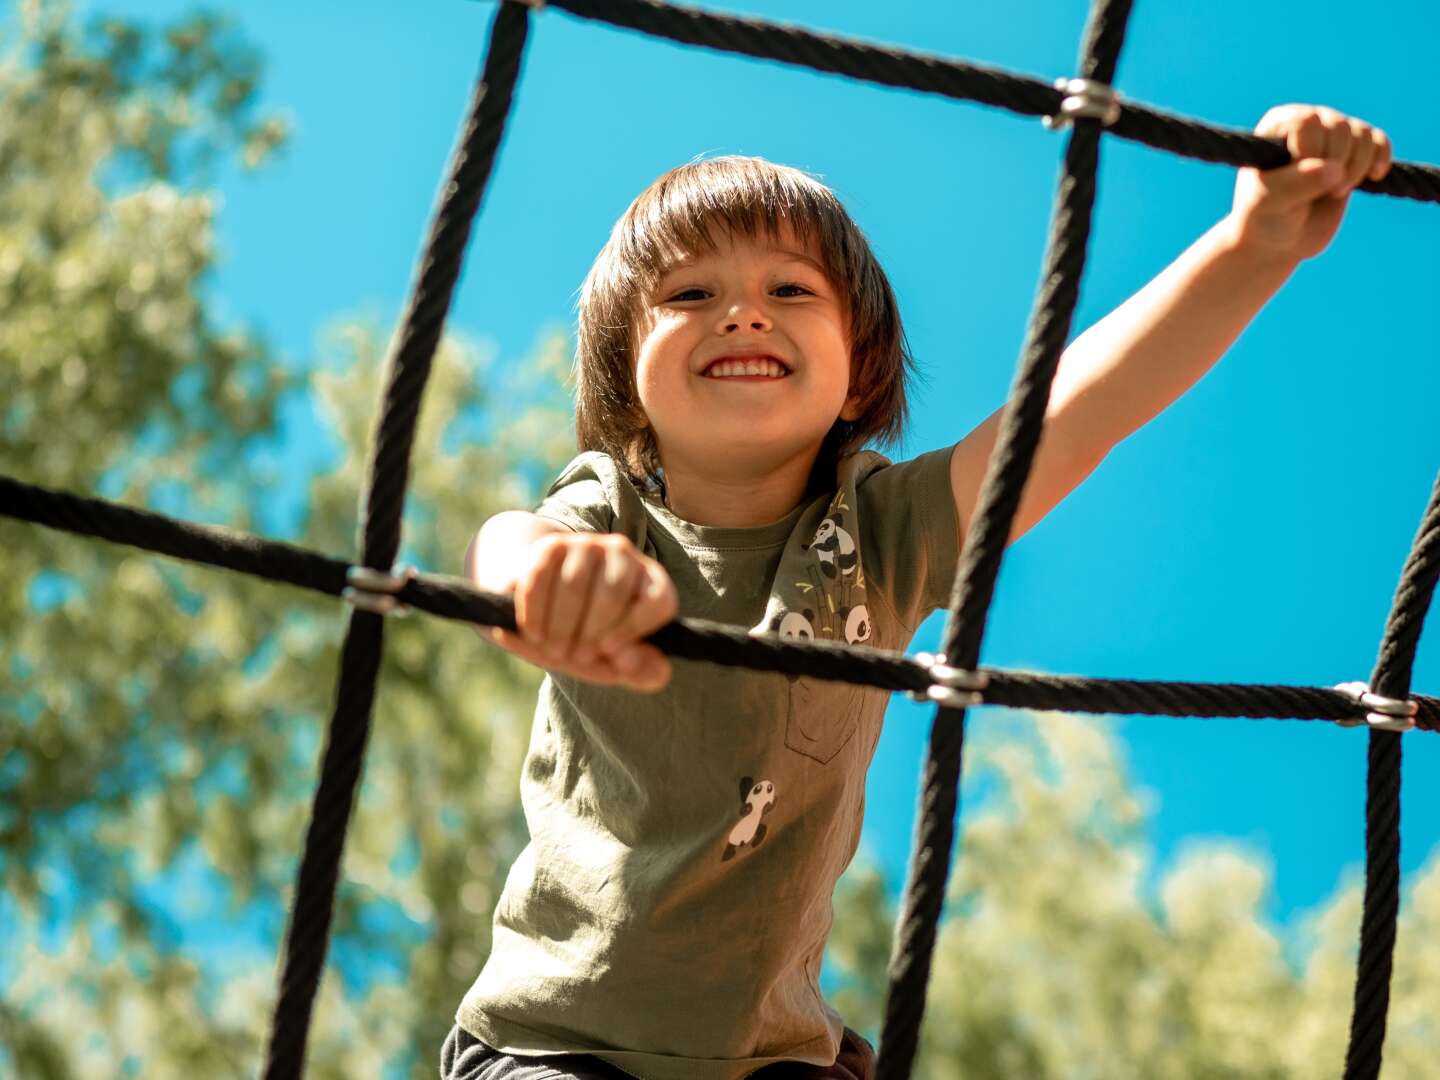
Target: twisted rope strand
x=308, y=935
x=1413, y=596
x=961, y=80
x=1391, y=678
x=1021, y=425
x=688, y=639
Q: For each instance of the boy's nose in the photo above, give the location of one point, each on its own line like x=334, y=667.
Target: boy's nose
x=744, y=316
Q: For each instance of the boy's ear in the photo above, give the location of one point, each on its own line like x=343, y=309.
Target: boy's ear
x=635, y=415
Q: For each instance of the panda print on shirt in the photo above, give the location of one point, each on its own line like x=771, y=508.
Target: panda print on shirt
x=821, y=597
x=756, y=800
x=830, y=602
x=818, y=594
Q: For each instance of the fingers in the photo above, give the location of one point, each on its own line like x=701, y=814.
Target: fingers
x=535, y=586
x=1298, y=184
x=1360, y=151
x=640, y=667
x=617, y=579
x=654, y=604
x=570, y=598
x=583, y=603
x=637, y=667
x=1384, y=155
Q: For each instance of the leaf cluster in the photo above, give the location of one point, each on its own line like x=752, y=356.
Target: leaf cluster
x=1067, y=953
x=161, y=721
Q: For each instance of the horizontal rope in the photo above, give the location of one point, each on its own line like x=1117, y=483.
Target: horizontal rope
x=961, y=80
x=687, y=639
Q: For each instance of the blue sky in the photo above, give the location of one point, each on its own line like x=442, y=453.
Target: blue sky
x=1253, y=532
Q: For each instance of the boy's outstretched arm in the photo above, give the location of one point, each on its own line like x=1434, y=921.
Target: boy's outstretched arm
x=1128, y=367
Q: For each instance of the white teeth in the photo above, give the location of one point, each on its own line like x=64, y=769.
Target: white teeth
x=762, y=365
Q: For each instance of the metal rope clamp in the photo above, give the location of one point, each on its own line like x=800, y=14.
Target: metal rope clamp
x=952, y=687
x=1085, y=98
x=374, y=591
x=1387, y=714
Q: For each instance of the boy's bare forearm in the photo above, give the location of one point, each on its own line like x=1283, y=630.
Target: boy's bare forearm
x=1128, y=367
x=495, y=555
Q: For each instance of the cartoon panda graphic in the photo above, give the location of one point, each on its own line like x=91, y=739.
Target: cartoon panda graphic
x=856, y=621
x=834, y=548
x=757, y=798
x=820, y=595
x=851, y=623
x=794, y=625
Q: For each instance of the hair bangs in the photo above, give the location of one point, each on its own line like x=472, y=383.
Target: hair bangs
x=727, y=197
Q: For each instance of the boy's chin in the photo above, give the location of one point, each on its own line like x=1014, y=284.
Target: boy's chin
x=746, y=451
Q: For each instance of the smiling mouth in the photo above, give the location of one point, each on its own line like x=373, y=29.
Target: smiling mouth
x=761, y=367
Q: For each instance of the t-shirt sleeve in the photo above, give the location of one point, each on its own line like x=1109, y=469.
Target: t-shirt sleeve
x=910, y=535
x=577, y=499
x=580, y=507
x=593, y=495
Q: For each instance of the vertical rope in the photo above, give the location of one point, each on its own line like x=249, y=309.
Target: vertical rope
x=307, y=937
x=1021, y=426
x=1391, y=678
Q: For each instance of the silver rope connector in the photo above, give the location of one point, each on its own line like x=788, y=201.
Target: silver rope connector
x=1386, y=714
x=373, y=591
x=1085, y=98
x=953, y=687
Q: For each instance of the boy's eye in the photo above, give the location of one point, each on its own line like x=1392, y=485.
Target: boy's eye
x=697, y=293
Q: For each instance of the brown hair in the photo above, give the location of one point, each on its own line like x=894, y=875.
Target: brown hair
x=673, y=217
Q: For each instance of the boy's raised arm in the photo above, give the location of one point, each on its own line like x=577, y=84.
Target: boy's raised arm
x=1125, y=370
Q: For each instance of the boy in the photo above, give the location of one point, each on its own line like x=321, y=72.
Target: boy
x=738, y=344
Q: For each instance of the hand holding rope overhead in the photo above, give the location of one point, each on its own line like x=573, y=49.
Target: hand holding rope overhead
x=1293, y=212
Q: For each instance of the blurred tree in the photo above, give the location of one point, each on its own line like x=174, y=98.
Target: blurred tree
x=1053, y=963
x=161, y=721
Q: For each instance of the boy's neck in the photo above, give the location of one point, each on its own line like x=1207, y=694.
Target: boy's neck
x=736, y=499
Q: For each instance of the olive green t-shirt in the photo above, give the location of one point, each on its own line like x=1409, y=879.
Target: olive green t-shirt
x=671, y=909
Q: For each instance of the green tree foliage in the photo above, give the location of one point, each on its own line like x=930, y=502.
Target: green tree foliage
x=161, y=722
x=1061, y=959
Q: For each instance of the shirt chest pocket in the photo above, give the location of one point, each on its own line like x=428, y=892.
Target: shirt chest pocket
x=821, y=717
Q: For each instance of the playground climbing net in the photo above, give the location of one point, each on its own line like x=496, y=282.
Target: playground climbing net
x=1086, y=106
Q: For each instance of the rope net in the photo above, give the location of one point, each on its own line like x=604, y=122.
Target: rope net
x=954, y=680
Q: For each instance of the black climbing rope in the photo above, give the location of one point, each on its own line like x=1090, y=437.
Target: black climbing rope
x=308, y=934
x=1021, y=424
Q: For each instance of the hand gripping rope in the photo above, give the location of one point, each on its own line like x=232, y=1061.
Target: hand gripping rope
x=1085, y=105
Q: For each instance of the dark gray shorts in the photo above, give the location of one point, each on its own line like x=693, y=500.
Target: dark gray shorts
x=464, y=1057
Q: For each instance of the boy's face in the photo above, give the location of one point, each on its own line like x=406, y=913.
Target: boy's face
x=743, y=360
